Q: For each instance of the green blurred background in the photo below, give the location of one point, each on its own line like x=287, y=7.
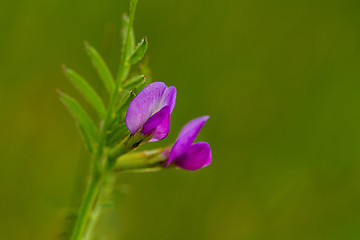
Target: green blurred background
x=280, y=80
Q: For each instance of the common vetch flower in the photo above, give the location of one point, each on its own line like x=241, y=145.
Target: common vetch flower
x=185, y=153
x=149, y=112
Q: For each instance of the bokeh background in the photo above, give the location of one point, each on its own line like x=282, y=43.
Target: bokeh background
x=280, y=80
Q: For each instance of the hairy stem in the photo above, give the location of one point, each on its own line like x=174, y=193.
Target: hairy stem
x=104, y=191
x=89, y=199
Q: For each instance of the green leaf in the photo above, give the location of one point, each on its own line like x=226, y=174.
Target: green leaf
x=128, y=43
x=101, y=68
x=129, y=49
x=135, y=82
x=139, y=52
x=86, y=138
x=86, y=90
x=86, y=125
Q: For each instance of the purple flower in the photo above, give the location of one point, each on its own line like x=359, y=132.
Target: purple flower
x=149, y=112
x=185, y=153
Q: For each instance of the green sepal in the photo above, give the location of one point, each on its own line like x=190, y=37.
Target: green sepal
x=135, y=82
x=101, y=68
x=118, y=134
x=152, y=160
x=131, y=142
x=86, y=90
x=139, y=52
x=85, y=123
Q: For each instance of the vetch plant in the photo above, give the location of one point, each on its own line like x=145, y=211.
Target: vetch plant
x=127, y=122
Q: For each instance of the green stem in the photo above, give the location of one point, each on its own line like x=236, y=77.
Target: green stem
x=89, y=199
x=93, y=219
x=104, y=191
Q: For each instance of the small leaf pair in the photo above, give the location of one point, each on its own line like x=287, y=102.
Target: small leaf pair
x=86, y=125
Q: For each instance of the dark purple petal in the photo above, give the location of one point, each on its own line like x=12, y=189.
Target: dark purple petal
x=143, y=106
x=197, y=156
x=186, y=137
x=158, y=125
x=162, y=130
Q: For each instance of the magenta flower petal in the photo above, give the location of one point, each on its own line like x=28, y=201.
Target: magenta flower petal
x=162, y=130
x=168, y=98
x=148, y=102
x=186, y=137
x=192, y=128
x=197, y=156
x=158, y=124
x=143, y=106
